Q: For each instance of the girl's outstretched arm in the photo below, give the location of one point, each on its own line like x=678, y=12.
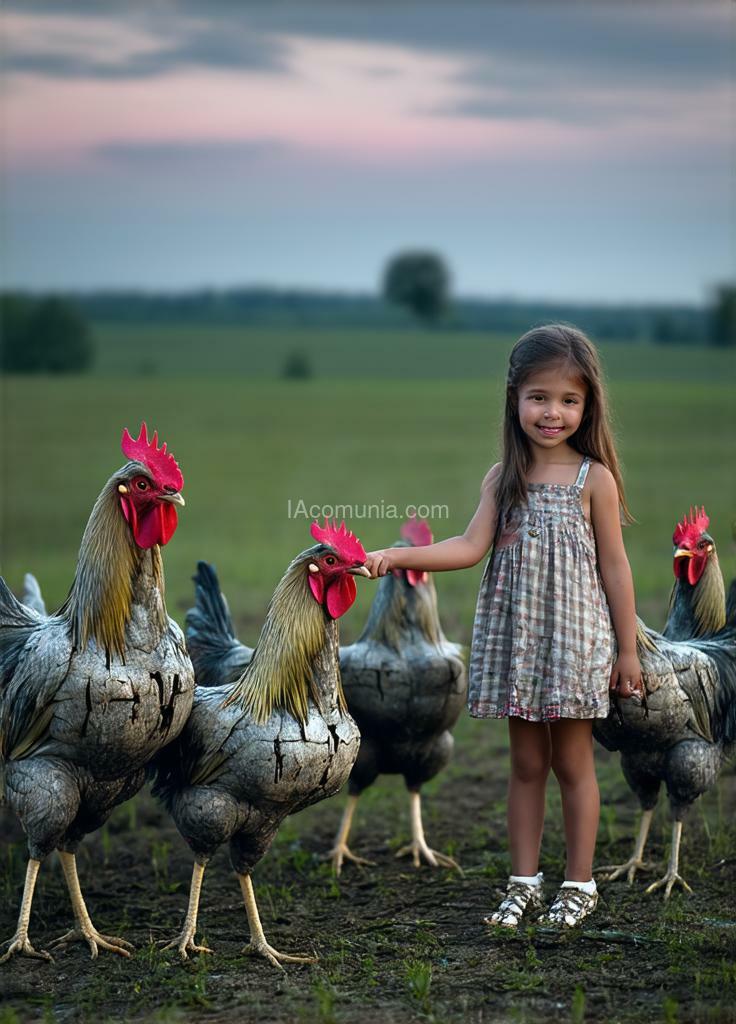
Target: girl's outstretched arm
x=617, y=580
x=454, y=553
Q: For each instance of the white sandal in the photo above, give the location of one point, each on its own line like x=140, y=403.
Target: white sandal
x=570, y=907
x=520, y=897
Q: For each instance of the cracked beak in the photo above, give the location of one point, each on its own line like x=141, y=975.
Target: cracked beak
x=359, y=570
x=175, y=498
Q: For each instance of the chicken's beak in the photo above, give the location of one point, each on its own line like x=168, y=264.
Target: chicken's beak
x=684, y=553
x=175, y=499
x=359, y=570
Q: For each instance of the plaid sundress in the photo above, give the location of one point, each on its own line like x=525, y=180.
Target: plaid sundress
x=543, y=644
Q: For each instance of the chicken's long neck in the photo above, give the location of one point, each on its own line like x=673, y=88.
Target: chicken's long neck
x=697, y=610
x=113, y=575
x=400, y=615
x=296, y=656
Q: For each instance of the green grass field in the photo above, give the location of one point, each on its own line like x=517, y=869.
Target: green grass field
x=336, y=352
x=249, y=443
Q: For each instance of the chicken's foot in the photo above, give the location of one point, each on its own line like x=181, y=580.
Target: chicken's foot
x=185, y=941
x=672, y=876
x=341, y=851
x=635, y=862
x=418, y=847
x=258, y=945
x=20, y=943
x=85, y=930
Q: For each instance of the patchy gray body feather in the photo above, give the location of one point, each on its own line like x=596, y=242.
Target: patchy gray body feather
x=230, y=778
x=687, y=730
x=79, y=726
x=405, y=684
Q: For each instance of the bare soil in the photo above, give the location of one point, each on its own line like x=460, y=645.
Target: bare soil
x=395, y=944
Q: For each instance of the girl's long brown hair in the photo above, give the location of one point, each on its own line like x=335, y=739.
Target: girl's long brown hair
x=539, y=349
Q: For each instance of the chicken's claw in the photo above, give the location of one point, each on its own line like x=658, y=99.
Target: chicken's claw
x=20, y=944
x=262, y=948
x=185, y=945
x=340, y=852
x=95, y=940
x=418, y=849
x=670, y=879
x=632, y=865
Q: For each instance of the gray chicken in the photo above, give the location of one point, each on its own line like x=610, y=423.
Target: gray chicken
x=406, y=685
x=89, y=695
x=684, y=731
x=273, y=740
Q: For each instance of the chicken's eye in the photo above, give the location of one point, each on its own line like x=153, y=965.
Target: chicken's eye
x=330, y=560
x=142, y=485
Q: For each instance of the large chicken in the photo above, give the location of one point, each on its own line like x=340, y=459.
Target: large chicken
x=274, y=740
x=684, y=730
x=406, y=685
x=90, y=694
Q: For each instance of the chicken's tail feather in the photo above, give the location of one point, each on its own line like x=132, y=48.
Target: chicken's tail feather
x=217, y=655
x=32, y=596
x=16, y=623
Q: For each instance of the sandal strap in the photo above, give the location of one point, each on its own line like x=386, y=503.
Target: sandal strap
x=571, y=903
x=518, y=897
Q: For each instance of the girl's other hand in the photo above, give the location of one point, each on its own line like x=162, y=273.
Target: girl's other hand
x=626, y=676
x=378, y=563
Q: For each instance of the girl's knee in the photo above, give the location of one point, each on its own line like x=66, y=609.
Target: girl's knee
x=573, y=770
x=529, y=767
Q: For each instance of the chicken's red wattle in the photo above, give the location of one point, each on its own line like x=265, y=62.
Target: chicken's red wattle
x=340, y=593
x=156, y=525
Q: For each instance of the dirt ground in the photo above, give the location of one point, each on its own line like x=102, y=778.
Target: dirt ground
x=395, y=944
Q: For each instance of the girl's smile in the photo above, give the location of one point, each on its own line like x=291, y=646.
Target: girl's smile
x=551, y=406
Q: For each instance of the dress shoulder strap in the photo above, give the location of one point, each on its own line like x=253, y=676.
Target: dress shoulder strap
x=582, y=472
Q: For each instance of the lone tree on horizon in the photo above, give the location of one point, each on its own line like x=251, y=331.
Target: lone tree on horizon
x=420, y=281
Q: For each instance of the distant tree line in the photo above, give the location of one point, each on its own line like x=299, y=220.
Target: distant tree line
x=273, y=307
x=51, y=334
x=43, y=335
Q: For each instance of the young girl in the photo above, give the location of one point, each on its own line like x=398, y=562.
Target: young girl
x=555, y=591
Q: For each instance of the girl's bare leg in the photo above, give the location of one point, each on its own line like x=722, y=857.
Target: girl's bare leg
x=530, y=763
x=572, y=763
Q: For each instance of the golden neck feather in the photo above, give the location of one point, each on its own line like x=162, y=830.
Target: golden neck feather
x=709, y=598
x=281, y=672
x=99, y=603
x=396, y=610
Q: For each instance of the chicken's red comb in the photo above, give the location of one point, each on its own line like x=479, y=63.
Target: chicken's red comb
x=345, y=543
x=161, y=463
x=417, y=532
x=690, y=529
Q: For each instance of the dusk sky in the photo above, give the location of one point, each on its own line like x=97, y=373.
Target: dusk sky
x=562, y=150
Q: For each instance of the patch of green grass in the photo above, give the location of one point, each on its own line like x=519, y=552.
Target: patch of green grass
x=161, y=350
x=419, y=983
x=577, y=1009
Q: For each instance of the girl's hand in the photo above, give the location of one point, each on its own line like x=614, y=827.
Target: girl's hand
x=626, y=676
x=378, y=563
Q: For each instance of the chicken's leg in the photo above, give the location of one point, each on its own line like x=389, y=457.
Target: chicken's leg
x=85, y=930
x=341, y=850
x=418, y=846
x=20, y=943
x=258, y=944
x=671, y=876
x=185, y=942
x=635, y=862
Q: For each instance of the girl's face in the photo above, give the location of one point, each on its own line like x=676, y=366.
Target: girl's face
x=551, y=406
